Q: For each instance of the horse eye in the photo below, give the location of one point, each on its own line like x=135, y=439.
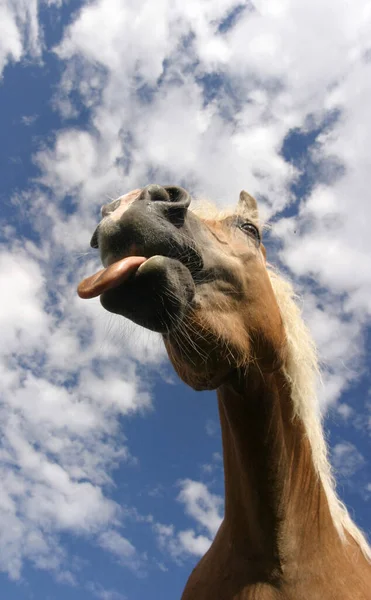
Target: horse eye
x=250, y=229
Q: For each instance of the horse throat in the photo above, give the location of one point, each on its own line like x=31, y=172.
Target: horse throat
x=273, y=495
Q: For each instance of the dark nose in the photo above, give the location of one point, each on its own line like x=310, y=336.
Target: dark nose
x=156, y=193
x=174, y=200
x=171, y=201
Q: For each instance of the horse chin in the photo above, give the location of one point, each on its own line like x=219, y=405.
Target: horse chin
x=156, y=297
x=202, y=383
x=204, y=372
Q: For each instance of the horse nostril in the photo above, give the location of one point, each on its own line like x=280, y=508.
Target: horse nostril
x=172, y=201
x=171, y=194
x=107, y=209
x=157, y=193
x=176, y=194
x=94, y=239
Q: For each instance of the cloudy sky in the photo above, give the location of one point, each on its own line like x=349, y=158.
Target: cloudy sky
x=111, y=473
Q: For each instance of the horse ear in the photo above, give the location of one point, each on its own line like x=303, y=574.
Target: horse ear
x=247, y=205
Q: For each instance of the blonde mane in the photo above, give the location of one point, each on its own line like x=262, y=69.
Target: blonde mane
x=302, y=372
x=207, y=211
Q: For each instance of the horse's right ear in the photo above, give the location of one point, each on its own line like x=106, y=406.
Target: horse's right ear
x=247, y=205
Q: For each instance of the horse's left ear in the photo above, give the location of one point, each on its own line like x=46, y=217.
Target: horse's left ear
x=248, y=205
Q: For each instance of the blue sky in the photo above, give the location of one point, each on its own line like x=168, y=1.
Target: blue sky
x=111, y=470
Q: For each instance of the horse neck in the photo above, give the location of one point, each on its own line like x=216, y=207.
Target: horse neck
x=275, y=505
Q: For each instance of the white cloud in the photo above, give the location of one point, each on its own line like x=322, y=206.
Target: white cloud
x=175, y=134
x=211, y=427
x=109, y=18
x=201, y=505
x=346, y=459
x=22, y=318
x=339, y=338
x=194, y=544
x=215, y=466
x=11, y=45
x=19, y=30
x=102, y=593
x=121, y=548
x=59, y=418
x=205, y=509
x=73, y=159
x=344, y=410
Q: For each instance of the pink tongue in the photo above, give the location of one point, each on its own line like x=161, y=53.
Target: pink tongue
x=110, y=277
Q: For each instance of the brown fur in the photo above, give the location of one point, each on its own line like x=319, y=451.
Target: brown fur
x=277, y=540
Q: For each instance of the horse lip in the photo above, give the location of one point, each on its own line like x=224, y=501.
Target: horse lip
x=111, y=258
x=188, y=262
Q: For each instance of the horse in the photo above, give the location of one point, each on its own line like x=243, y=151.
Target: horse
x=230, y=323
